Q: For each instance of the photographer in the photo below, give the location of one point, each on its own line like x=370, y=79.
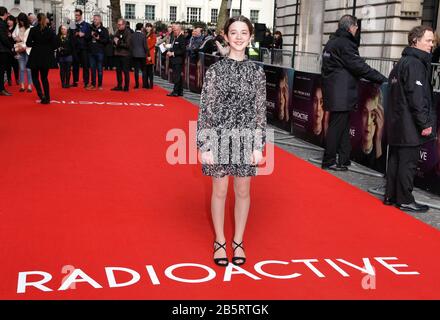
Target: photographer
x=121, y=43
x=99, y=40
x=82, y=34
x=64, y=53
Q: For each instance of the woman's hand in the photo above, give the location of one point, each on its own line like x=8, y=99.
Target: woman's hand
x=257, y=156
x=207, y=157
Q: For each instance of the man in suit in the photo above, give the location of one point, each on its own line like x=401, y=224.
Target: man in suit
x=5, y=50
x=177, y=57
x=342, y=68
x=139, y=53
x=410, y=118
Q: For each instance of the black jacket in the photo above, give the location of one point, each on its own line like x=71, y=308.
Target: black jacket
x=82, y=42
x=122, y=47
x=5, y=45
x=342, y=68
x=179, y=49
x=98, y=45
x=436, y=55
x=43, y=44
x=64, y=46
x=138, y=46
x=410, y=107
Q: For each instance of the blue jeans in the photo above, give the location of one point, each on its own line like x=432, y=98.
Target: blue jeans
x=22, y=61
x=96, y=61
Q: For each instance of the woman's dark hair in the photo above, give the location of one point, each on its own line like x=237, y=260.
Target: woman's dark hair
x=59, y=31
x=139, y=26
x=151, y=26
x=12, y=18
x=42, y=21
x=278, y=33
x=23, y=20
x=417, y=33
x=231, y=20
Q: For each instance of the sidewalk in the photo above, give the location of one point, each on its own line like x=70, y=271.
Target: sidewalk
x=373, y=183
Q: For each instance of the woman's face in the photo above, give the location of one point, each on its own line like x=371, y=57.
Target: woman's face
x=318, y=111
x=238, y=36
x=369, y=125
x=63, y=30
x=10, y=23
x=148, y=29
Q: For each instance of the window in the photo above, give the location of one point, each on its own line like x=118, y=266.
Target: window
x=254, y=16
x=130, y=11
x=214, y=15
x=150, y=12
x=235, y=12
x=173, y=13
x=16, y=1
x=193, y=14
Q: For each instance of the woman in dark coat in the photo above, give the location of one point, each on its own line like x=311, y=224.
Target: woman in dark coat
x=64, y=51
x=42, y=41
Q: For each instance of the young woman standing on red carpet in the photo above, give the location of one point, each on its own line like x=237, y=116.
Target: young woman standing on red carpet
x=232, y=106
x=151, y=42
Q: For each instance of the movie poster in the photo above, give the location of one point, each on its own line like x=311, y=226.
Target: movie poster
x=308, y=116
x=195, y=73
x=428, y=171
x=279, y=88
x=367, y=127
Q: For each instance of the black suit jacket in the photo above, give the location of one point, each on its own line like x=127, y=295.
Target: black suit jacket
x=179, y=49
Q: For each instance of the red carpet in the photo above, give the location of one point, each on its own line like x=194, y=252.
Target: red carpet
x=88, y=185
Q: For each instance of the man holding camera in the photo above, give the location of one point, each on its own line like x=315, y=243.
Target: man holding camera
x=99, y=39
x=82, y=35
x=121, y=43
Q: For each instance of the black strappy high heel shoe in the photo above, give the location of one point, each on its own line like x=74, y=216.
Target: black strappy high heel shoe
x=222, y=262
x=238, y=261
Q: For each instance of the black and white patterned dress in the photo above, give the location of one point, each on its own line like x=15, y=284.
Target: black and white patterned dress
x=232, y=117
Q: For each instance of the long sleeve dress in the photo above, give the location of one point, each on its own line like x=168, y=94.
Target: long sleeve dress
x=232, y=117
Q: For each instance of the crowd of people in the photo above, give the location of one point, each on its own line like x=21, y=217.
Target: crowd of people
x=28, y=54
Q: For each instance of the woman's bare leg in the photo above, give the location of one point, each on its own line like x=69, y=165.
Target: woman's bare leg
x=242, y=186
x=218, y=199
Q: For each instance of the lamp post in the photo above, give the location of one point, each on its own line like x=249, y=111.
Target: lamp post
x=354, y=8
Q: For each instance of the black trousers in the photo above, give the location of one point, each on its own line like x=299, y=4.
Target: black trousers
x=82, y=59
x=149, y=75
x=402, y=166
x=4, y=65
x=139, y=65
x=177, y=78
x=337, y=139
x=38, y=73
x=13, y=65
x=122, y=66
x=65, y=73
